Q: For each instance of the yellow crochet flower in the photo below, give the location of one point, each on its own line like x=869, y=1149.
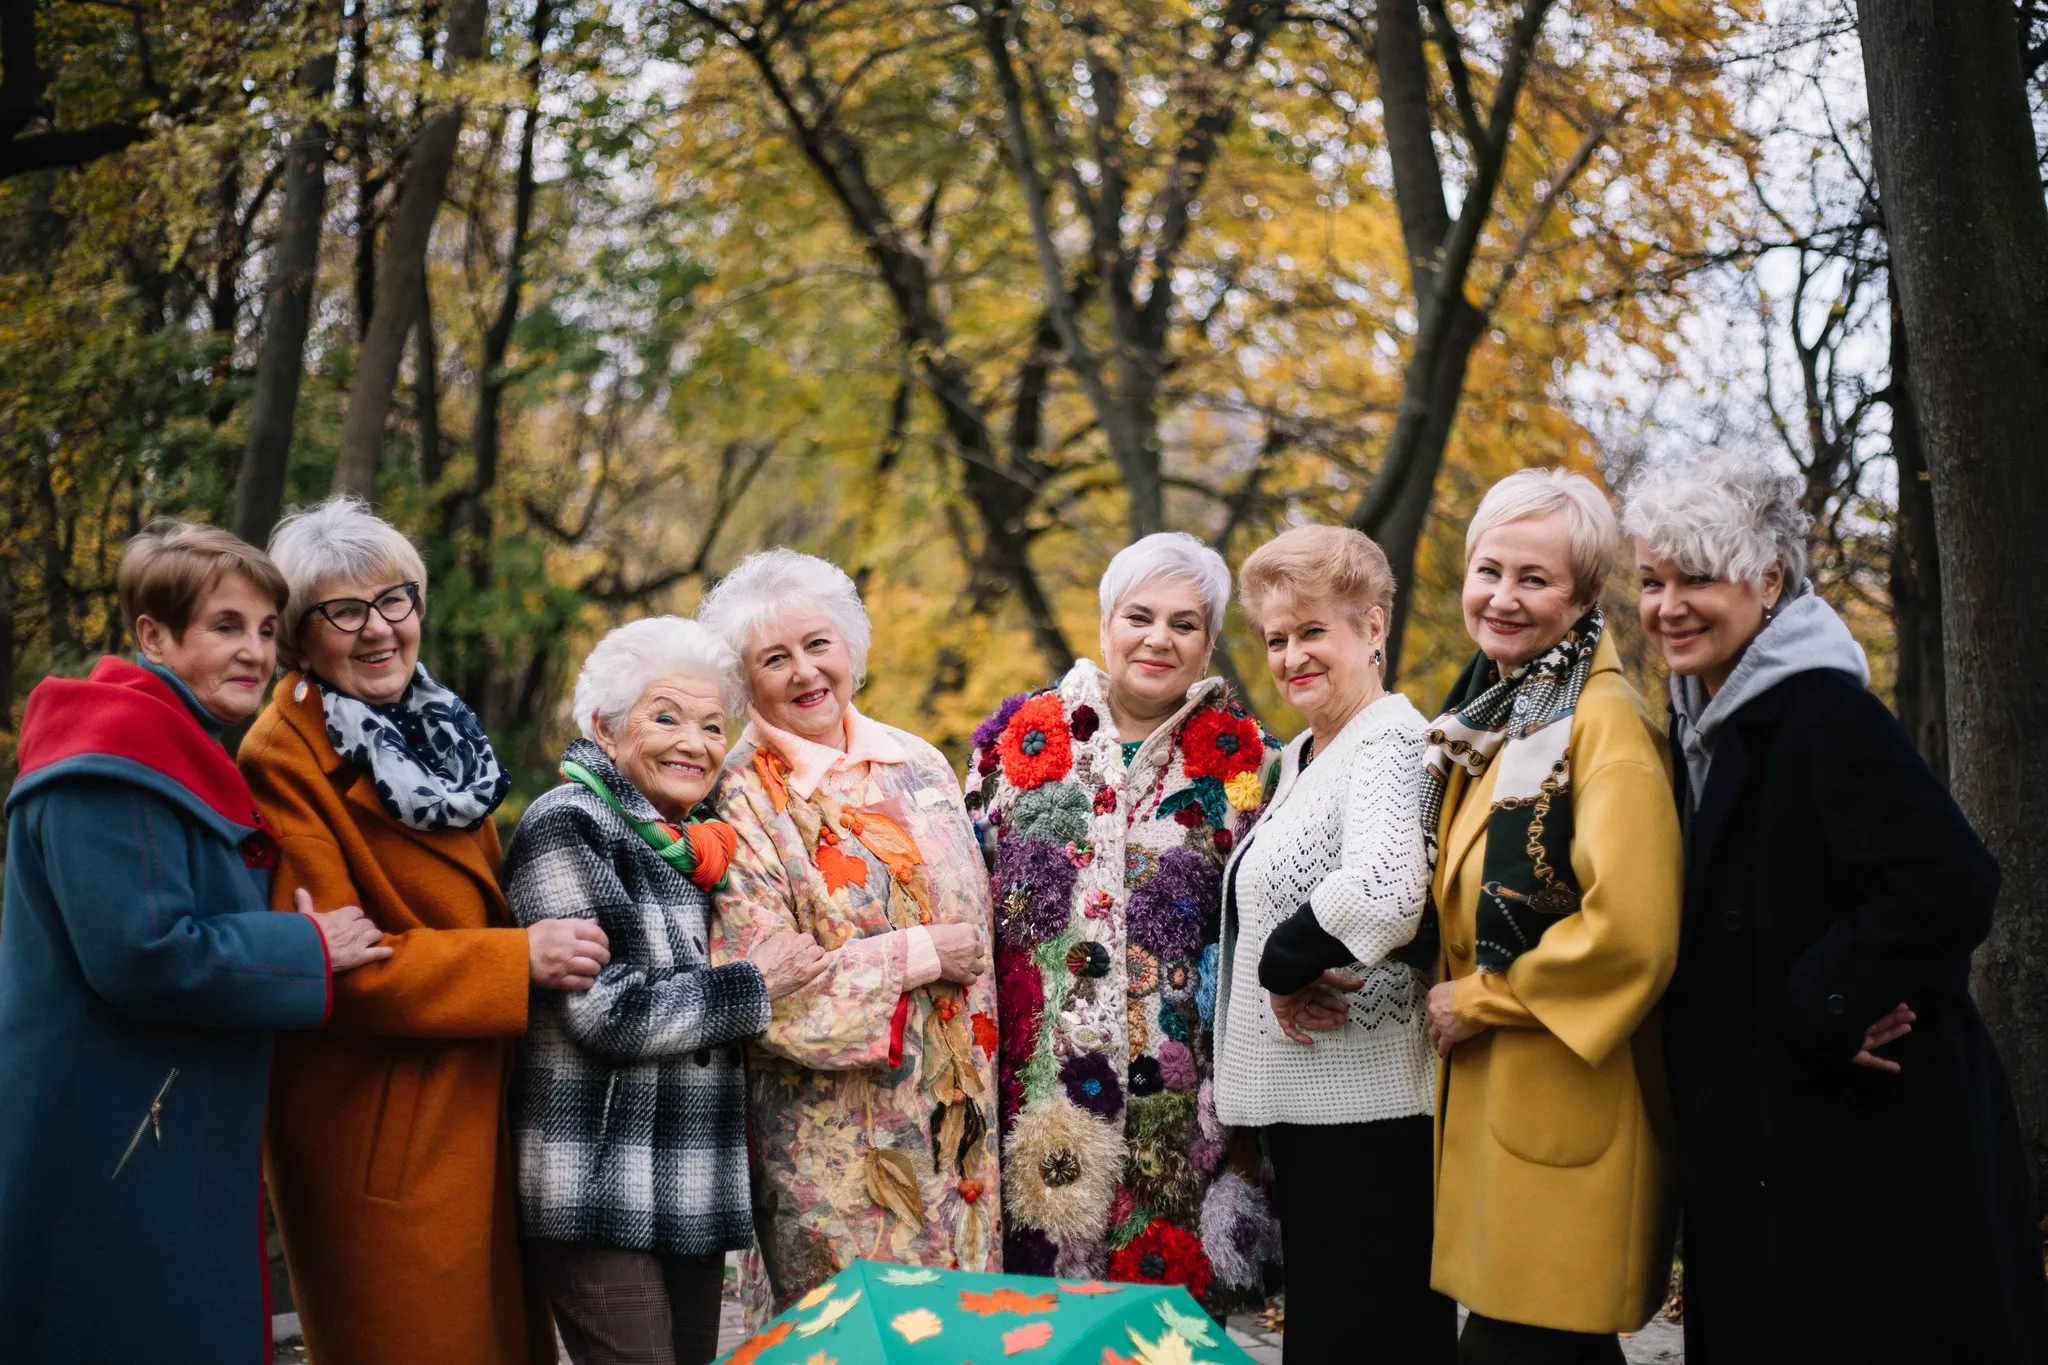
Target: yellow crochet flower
x=1245, y=791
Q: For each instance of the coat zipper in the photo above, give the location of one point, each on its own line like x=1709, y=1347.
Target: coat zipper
x=151, y=1121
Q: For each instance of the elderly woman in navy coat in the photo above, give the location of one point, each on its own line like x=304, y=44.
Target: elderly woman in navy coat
x=141, y=975
x=1855, y=1187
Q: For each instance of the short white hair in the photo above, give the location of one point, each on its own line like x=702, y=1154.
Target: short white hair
x=1590, y=528
x=1719, y=514
x=619, y=668
x=771, y=585
x=1169, y=554
x=340, y=538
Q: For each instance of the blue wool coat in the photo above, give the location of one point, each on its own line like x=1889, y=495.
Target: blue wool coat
x=137, y=940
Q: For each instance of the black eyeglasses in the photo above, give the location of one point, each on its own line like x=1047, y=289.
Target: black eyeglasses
x=350, y=614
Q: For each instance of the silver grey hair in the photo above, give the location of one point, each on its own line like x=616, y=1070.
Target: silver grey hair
x=620, y=666
x=770, y=585
x=339, y=539
x=1719, y=514
x=1169, y=554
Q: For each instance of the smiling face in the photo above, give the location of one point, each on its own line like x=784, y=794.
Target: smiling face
x=1702, y=624
x=802, y=675
x=373, y=664
x=1518, y=596
x=671, y=743
x=1321, y=655
x=228, y=650
x=1155, y=646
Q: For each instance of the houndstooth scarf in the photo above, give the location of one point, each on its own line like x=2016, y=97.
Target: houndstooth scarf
x=427, y=753
x=1522, y=720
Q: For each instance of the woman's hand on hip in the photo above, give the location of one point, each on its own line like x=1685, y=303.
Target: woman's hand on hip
x=787, y=961
x=1316, y=1008
x=961, y=958
x=1446, y=1029
x=566, y=954
x=353, y=938
x=1889, y=1029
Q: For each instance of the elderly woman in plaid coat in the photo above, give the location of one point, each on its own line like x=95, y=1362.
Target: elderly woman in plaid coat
x=629, y=1102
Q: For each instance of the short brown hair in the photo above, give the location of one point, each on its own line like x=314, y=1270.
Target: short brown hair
x=1318, y=564
x=168, y=569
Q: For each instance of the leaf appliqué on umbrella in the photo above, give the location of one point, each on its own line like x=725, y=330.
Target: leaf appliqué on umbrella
x=910, y=1277
x=1029, y=1337
x=1004, y=1299
x=919, y=1324
x=832, y=1312
x=767, y=1339
x=1195, y=1329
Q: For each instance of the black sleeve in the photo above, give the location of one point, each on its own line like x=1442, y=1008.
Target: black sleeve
x=1299, y=951
x=1919, y=884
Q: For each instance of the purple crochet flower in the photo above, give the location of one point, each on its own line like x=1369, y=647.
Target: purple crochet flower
x=1090, y=1081
x=1166, y=914
x=986, y=732
x=1034, y=890
x=1205, y=1155
x=1177, y=1066
x=1027, y=1251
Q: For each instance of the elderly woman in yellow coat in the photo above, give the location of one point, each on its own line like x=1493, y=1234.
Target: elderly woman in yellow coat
x=1555, y=928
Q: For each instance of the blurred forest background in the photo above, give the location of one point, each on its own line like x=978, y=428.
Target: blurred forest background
x=594, y=297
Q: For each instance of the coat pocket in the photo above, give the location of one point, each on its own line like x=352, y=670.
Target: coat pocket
x=395, y=1121
x=1545, y=1105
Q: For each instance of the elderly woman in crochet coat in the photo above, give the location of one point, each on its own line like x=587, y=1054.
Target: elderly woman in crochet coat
x=1109, y=802
x=870, y=1090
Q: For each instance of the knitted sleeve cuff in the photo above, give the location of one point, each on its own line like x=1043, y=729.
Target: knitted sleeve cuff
x=1299, y=951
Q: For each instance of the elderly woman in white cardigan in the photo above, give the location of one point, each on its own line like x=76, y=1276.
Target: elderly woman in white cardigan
x=629, y=1099
x=1320, y=1036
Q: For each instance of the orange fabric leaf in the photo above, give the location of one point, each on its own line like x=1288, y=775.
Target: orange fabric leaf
x=986, y=1035
x=1029, y=1337
x=1004, y=1299
x=1091, y=1287
x=839, y=868
x=752, y=1349
x=771, y=767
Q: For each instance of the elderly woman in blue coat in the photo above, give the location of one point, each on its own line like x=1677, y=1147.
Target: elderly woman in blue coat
x=141, y=976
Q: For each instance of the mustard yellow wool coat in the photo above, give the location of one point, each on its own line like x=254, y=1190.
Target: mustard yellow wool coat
x=1555, y=1164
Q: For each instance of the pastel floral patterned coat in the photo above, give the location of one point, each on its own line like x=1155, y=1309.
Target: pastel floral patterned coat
x=870, y=1096
x=1107, y=886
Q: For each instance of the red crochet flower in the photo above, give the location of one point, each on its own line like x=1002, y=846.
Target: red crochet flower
x=1163, y=1254
x=1215, y=743
x=1036, y=746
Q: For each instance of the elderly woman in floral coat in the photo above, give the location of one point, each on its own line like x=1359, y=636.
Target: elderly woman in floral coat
x=870, y=1091
x=1110, y=802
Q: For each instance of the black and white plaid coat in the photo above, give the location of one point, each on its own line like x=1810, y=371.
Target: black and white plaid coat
x=629, y=1103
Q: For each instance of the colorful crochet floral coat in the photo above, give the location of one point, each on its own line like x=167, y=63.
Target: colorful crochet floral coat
x=1107, y=882
x=870, y=1100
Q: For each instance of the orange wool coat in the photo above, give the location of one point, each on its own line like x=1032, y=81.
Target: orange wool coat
x=389, y=1155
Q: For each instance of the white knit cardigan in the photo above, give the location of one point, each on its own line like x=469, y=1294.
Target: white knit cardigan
x=1344, y=837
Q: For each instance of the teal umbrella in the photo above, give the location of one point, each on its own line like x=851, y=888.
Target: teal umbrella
x=873, y=1313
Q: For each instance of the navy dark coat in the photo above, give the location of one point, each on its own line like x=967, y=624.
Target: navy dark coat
x=1837, y=1215
x=136, y=943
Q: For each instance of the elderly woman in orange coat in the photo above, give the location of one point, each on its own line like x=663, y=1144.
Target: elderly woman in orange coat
x=390, y=1157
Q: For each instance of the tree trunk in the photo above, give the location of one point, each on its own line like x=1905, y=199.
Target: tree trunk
x=400, y=268
x=1919, y=696
x=426, y=387
x=356, y=137
x=287, y=312
x=1961, y=188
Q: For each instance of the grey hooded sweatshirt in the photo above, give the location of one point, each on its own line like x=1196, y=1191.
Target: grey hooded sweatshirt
x=1804, y=634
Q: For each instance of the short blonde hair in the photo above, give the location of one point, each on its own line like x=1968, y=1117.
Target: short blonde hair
x=339, y=538
x=167, y=571
x=1318, y=564
x=1589, y=522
